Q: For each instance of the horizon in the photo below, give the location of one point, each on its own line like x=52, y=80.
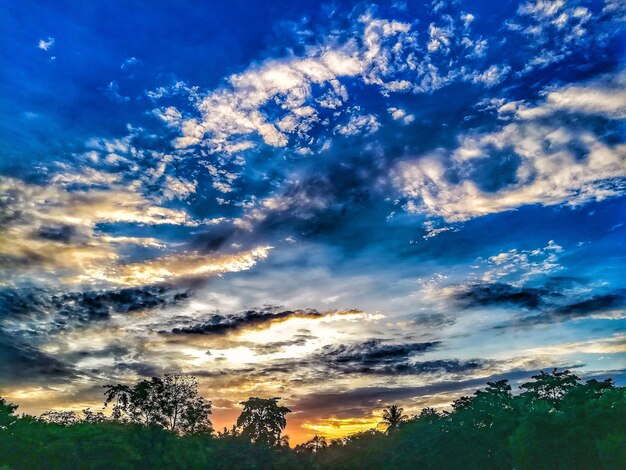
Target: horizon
x=344, y=205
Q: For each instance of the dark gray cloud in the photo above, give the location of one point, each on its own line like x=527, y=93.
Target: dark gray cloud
x=58, y=233
x=216, y=324
x=553, y=303
x=370, y=353
x=597, y=304
x=432, y=320
x=30, y=317
x=74, y=308
x=140, y=368
x=21, y=363
x=278, y=346
x=370, y=357
x=500, y=294
x=450, y=366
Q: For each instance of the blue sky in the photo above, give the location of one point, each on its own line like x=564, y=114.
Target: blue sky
x=345, y=205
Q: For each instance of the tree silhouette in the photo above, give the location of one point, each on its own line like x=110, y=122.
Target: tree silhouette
x=93, y=416
x=263, y=420
x=194, y=417
x=62, y=418
x=171, y=403
x=392, y=417
x=550, y=387
x=314, y=445
x=7, y=417
x=558, y=422
x=428, y=414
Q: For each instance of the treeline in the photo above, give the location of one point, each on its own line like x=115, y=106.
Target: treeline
x=556, y=422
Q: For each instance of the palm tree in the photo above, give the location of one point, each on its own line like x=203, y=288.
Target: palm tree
x=392, y=417
x=316, y=444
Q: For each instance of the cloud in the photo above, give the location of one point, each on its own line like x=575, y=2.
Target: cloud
x=53, y=229
x=485, y=295
x=371, y=352
x=556, y=29
x=431, y=320
x=604, y=96
x=255, y=319
x=299, y=200
x=555, y=161
x=365, y=124
x=610, y=305
x=113, y=92
x=45, y=310
x=230, y=116
x=555, y=302
x=362, y=359
x=285, y=101
x=518, y=266
x=178, y=266
x=128, y=63
x=378, y=357
x=21, y=363
x=45, y=44
x=399, y=114
x=274, y=347
x=492, y=76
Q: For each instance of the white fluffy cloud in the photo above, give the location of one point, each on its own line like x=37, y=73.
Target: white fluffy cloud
x=359, y=124
x=45, y=44
x=560, y=161
x=604, y=97
x=231, y=116
x=517, y=266
x=279, y=101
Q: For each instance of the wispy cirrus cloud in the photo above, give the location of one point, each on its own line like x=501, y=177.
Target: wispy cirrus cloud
x=176, y=266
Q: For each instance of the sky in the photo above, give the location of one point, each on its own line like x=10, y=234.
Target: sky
x=345, y=205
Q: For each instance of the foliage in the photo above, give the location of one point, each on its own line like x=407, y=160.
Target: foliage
x=263, y=420
x=7, y=414
x=171, y=403
x=556, y=422
x=312, y=446
x=392, y=417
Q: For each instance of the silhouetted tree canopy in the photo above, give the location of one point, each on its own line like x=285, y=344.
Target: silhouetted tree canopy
x=172, y=403
x=263, y=420
x=392, y=417
x=555, y=422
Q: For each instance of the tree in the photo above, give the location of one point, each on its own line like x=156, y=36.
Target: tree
x=93, y=416
x=314, y=445
x=550, y=387
x=195, y=417
x=7, y=416
x=171, y=403
x=428, y=414
x=62, y=418
x=392, y=417
x=263, y=420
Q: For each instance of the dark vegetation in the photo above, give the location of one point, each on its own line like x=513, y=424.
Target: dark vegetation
x=556, y=422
